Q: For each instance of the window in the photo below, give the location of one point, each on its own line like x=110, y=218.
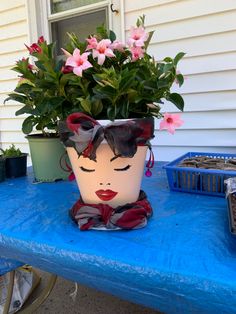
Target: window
x=63, y=5
x=82, y=25
x=54, y=18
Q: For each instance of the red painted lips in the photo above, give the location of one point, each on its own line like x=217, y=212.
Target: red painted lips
x=106, y=195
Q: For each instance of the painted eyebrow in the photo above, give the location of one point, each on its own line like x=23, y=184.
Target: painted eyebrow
x=114, y=158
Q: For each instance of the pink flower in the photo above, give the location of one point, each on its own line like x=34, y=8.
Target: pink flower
x=34, y=48
x=138, y=36
x=170, y=122
x=41, y=40
x=92, y=43
x=102, y=51
x=78, y=62
x=117, y=45
x=29, y=66
x=67, y=69
x=66, y=53
x=137, y=53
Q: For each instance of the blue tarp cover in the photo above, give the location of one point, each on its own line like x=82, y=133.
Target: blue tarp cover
x=7, y=265
x=184, y=261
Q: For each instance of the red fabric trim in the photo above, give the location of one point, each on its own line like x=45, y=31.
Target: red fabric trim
x=129, y=216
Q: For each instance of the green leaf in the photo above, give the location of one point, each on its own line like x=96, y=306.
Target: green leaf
x=97, y=107
x=16, y=97
x=168, y=59
x=59, y=65
x=127, y=80
x=147, y=42
x=12, y=151
x=178, y=57
x=177, y=100
x=85, y=104
x=163, y=84
x=150, y=85
x=102, y=31
x=111, y=113
x=105, y=92
x=112, y=35
x=49, y=104
x=124, y=109
x=25, y=82
x=40, y=65
x=141, y=20
x=25, y=109
x=167, y=67
x=24, y=88
x=132, y=95
x=28, y=125
x=180, y=79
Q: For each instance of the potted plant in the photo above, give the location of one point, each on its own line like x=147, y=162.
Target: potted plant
x=41, y=91
x=115, y=81
x=2, y=168
x=101, y=79
x=16, y=161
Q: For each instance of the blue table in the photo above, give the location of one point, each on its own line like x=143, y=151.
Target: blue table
x=184, y=261
x=7, y=265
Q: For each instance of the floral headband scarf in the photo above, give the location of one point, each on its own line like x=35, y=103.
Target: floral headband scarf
x=85, y=134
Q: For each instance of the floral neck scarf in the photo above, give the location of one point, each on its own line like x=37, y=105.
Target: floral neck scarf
x=104, y=217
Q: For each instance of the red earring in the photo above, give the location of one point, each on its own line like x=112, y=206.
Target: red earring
x=150, y=163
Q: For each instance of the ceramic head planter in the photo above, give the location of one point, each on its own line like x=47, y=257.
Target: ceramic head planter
x=108, y=163
x=112, y=80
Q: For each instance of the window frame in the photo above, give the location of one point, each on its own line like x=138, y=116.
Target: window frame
x=39, y=19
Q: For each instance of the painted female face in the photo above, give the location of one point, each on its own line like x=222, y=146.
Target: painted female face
x=109, y=180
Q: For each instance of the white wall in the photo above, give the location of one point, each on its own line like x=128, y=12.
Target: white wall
x=13, y=35
x=206, y=31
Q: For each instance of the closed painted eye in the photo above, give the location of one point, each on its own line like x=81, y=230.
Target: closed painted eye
x=86, y=170
x=122, y=169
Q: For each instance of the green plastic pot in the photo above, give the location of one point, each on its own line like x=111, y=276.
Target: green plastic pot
x=2, y=169
x=46, y=154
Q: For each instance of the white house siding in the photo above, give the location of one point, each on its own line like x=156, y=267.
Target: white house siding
x=13, y=35
x=206, y=31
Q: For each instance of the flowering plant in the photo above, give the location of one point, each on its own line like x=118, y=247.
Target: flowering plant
x=101, y=77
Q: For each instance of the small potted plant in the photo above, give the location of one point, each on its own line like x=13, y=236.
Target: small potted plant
x=41, y=91
x=16, y=162
x=2, y=168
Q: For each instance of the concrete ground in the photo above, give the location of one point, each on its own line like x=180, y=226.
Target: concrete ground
x=88, y=301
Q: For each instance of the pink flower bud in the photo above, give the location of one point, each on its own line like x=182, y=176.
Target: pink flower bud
x=41, y=40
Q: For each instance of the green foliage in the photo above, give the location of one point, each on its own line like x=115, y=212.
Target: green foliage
x=12, y=151
x=141, y=21
x=41, y=90
x=120, y=88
